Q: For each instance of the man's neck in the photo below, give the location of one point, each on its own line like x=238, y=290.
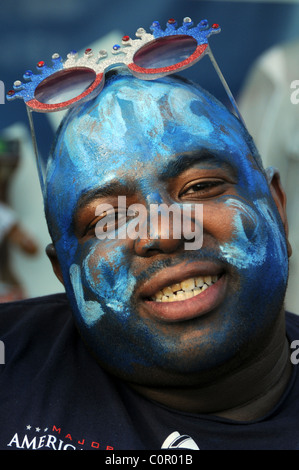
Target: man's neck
x=245, y=394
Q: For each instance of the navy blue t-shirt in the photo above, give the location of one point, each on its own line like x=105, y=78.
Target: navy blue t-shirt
x=54, y=396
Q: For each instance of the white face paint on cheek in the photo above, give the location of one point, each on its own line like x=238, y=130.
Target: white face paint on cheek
x=237, y=252
x=90, y=310
x=276, y=238
x=109, y=280
x=256, y=233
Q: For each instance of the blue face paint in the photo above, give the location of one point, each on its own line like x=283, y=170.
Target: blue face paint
x=129, y=134
x=258, y=250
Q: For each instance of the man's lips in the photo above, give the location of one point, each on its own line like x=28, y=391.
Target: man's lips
x=185, y=291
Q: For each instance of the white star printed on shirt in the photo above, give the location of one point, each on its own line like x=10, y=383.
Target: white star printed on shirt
x=28, y=427
x=37, y=429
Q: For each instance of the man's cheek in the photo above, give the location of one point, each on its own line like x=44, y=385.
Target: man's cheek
x=246, y=246
x=256, y=238
x=107, y=275
x=247, y=227
x=101, y=283
x=229, y=221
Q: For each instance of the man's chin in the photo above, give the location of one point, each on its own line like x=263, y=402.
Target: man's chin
x=174, y=355
x=148, y=348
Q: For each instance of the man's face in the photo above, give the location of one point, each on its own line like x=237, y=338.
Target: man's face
x=159, y=143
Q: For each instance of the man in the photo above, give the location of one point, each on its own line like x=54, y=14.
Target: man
x=144, y=369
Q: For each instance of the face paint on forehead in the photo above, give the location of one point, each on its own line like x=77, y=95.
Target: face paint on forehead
x=133, y=122
x=138, y=121
x=136, y=115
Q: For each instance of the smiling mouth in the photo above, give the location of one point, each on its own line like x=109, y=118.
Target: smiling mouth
x=184, y=290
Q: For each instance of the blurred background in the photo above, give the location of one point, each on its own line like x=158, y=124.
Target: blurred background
x=257, y=51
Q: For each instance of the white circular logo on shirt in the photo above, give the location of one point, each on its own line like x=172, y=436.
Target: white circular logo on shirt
x=179, y=441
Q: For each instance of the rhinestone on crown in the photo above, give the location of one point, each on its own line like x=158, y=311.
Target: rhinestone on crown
x=201, y=32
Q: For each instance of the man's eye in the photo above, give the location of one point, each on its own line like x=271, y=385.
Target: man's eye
x=109, y=221
x=204, y=188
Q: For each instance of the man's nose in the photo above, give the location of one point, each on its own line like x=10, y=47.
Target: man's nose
x=163, y=228
x=153, y=246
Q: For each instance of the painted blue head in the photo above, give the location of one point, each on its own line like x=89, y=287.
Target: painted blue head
x=165, y=141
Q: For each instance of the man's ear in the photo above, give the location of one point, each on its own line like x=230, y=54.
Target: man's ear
x=280, y=200
x=52, y=255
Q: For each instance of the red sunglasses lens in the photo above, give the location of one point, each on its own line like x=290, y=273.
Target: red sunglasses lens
x=165, y=51
x=64, y=85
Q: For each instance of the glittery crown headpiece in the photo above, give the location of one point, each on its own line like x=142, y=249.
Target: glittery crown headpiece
x=148, y=57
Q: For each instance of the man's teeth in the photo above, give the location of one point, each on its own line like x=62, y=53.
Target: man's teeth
x=185, y=289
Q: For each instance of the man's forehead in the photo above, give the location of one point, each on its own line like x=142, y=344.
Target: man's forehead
x=142, y=119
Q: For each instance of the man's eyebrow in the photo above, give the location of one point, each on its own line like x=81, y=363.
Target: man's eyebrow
x=188, y=159
x=114, y=188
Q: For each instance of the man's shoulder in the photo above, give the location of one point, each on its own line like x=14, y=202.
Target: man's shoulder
x=26, y=305
x=31, y=328
x=36, y=309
